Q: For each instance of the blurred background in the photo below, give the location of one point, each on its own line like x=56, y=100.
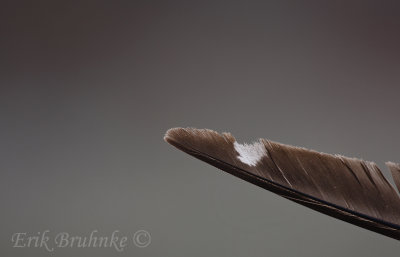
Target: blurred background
x=88, y=89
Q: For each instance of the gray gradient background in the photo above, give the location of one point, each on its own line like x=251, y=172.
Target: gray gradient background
x=88, y=90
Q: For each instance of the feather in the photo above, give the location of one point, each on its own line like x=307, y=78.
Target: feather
x=348, y=189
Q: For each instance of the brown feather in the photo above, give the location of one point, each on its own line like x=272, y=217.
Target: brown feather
x=349, y=189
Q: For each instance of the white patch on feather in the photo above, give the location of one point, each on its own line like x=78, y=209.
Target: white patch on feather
x=250, y=154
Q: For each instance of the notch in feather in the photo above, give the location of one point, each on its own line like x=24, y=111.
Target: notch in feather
x=345, y=188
